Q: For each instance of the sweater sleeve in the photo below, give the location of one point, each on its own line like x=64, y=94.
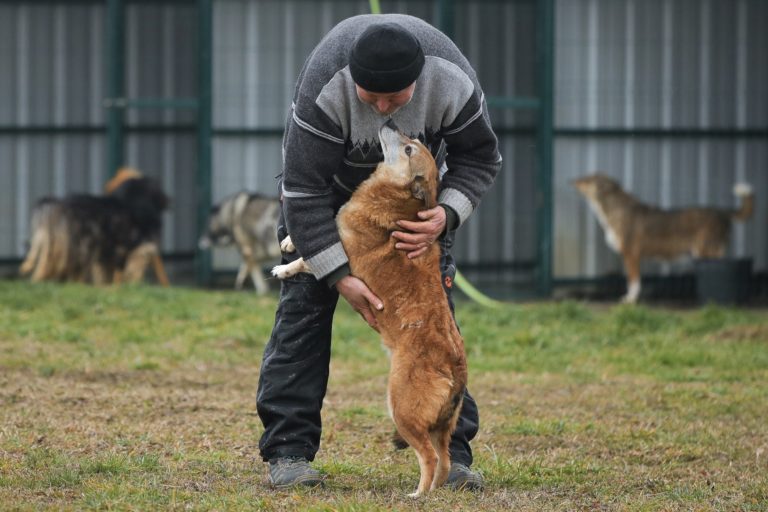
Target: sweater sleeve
x=473, y=159
x=313, y=150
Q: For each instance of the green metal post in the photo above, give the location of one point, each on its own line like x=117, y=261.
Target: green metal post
x=446, y=19
x=205, y=131
x=546, y=22
x=115, y=79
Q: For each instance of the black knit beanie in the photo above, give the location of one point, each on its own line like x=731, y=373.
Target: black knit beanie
x=385, y=58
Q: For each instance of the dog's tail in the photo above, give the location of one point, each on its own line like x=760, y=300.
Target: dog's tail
x=747, y=196
x=121, y=176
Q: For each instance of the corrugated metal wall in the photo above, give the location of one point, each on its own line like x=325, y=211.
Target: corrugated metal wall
x=620, y=65
x=656, y=65
x=499, y=39
x=51, y=79
x=161, y=62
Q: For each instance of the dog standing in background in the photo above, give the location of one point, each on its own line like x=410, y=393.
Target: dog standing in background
x=249, y=221
x=638, y=231
x=97, y=239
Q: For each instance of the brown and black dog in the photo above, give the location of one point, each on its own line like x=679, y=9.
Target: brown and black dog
x=637, y=230
x=428, y=371
x=98, y=239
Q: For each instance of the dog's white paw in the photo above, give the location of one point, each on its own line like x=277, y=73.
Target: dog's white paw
x=287, y=245
x=283, y=271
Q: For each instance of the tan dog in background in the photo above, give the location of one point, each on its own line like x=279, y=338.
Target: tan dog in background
x=637, y=231
x=428, y=371
x=248, y=221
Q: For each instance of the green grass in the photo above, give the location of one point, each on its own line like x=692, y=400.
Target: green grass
x=142, y=398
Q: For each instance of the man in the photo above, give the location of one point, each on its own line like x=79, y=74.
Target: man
x=365, y=70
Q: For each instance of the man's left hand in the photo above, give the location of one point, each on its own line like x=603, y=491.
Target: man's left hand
x=420, y=234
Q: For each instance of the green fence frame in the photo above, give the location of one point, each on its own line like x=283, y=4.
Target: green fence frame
x=542, y=103
x=116, y=103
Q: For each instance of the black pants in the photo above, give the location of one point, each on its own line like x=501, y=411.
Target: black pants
x=294, y=370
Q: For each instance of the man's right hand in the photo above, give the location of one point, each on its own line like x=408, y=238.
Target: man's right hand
x=361, y=298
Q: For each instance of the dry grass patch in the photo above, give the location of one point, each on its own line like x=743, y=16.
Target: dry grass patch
x=149, y=405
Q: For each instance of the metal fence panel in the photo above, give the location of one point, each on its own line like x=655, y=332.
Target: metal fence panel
x=620, y=65
x=658, y=66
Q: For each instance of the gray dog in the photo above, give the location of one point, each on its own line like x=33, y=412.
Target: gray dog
x=249, y=221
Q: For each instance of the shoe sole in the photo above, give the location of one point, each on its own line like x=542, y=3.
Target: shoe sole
x=308, y=481
x=469, y=485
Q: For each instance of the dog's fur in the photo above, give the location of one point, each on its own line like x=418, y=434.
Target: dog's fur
x=146, y=253
x=248, y=221
x=637, y=231
x=96, y=239
x=428, y=372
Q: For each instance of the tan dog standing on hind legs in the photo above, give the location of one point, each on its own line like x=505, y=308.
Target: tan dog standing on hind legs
x=428, y=372
x=367, y=69
x=638, y=231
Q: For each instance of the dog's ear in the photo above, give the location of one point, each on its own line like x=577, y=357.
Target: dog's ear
x=420, y=189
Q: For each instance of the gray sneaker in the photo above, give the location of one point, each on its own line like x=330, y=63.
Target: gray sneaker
x=461, y=478
x=292, y=472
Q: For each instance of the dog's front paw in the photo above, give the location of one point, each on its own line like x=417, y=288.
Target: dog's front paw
x=283, y=271
x=287, y=245
x=290, y=269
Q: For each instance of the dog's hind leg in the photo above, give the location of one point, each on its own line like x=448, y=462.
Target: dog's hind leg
x=632, y=267
x=242, y=273
x=441, y=437
x=254, y=270
x=441, y=441
x=138, y=260
x=42, y=262
x=28, y=265
x=412, y=419
x=98, y=274
x=258, y=280
x=419, y=439
x=157, y=263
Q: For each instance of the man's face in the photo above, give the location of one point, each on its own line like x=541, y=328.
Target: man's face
x=386, y=103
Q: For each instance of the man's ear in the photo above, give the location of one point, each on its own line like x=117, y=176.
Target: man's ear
x=420, y=190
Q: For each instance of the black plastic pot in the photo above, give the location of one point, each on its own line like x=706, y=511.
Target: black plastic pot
x=724, y=281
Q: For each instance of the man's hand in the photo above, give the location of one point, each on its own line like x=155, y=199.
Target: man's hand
x=422, y=234
x=361, y=298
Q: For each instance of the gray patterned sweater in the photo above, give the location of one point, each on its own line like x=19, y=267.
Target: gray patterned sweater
x=331, y=137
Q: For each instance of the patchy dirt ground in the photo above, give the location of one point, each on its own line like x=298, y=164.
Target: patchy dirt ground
x=78, y=438
x=144, y=399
